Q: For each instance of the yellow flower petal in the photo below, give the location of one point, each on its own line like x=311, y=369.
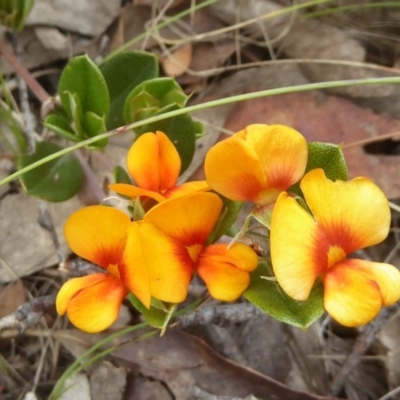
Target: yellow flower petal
x=225, y=271
x=187, y=188
x=188, y=219
x=134, y=191
x=282, y=151
x=154, y=162
x=98, y=234
x=353, y=214
x=385, y=275
x=351, y=297
x=155, y=265
x=299, y=251
x=92, y=302
x=233, y=169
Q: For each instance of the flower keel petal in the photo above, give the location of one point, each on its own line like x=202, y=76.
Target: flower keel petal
x=95, y=306
x=351, y=298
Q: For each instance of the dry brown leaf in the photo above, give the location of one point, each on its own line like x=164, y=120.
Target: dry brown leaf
x=11, y=297
x=178, y=61
x=25, y=247
x=108, y=382
x=183, y=361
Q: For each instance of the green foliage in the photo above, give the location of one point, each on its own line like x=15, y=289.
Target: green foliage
x=159, y=96
x=85, y=100
x=327, y=156
x=153, y=97
x=121, y=176
x=157, y=316
x=270, y=298
x=123, y=73
x=13, y=13
x=55, y=181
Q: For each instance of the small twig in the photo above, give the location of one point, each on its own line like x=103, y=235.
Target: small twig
x=46, y=222
x=96, y=192
x=27, y=314
x=21, y=71
x=201, y=394
x=218, y=314
x=362, y=344
x=24, y=100
x=390, y=394
x=79, y=267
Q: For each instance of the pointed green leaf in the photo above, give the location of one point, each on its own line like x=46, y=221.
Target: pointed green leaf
x=57, y=180
x=25, y=8
x=121, y=176
x=263, y=214
x=95, y=125
x=182, y=133
x=327, y=156
x=14, y=13
x=155, y=317
x=155, y=93
x=81, y=77
x=270, y=298
x=60, y=126
x=123, y=73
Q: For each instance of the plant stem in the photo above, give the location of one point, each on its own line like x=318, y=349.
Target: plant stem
x=21, y=71
x=203, y=106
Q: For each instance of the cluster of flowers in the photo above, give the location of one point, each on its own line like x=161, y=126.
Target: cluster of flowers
x=157, y=256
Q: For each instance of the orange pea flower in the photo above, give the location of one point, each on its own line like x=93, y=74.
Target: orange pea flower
x=154, y=164
x=188, y=221
x=155, y=257
x=137, y=257
x=347, y=216
x=257, y=163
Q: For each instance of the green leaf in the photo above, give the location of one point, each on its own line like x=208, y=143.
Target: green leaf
x=263, y=214
x=95, y=125
x=83, y=79
x=152, y=95
x=25, y=8
x=73, y=110
x=14, y=13
x=327, y=156
x=123, y=73
x=181, y=131
x=155, y=317
x=57, y=180
x=228, y=217
x=60, y=126
x=270, y=298
x=121, y=176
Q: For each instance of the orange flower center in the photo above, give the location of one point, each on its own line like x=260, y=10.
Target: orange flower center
x=113, y=270
x=194, y=251
x=335, y=254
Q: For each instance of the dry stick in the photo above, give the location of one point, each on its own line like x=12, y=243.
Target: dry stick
x=24, y=100
x=362, y=344
x=44, y=97
x=22, y=72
